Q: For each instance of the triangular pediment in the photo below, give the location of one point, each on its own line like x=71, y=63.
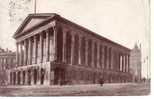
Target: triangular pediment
x=31, y=21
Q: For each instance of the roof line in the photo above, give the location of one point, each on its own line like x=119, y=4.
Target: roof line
x=65, y=20
x=93, y=33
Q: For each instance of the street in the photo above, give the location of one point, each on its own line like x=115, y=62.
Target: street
x=115, y=89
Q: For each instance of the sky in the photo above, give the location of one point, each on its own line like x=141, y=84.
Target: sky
x=123, y=21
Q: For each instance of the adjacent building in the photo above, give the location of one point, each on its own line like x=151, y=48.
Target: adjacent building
x=7, y=61
x=52, y=50
x=135, y=63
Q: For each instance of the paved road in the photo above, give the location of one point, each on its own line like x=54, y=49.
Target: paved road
x=77, y=90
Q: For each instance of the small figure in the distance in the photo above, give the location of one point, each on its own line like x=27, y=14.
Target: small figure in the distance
x=101, y=81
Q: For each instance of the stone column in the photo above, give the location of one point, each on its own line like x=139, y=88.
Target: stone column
x=24, y=61
x=123, y=63
x=20, y=56
x=55, y=42
x=86, y=52
x=128, y=62
x=16, y=77
x=32, y=76
x=41, y=47
x=29, y=51
x=17, y=54
x=48, y=45
x=112, y=59
x=21, y=77
x=35, y=49
x=47, y=75
x=72, y=49
x=8, y=76
x=26, y=77
x=64, y=47
x=107, y=58
x=92, y=54
x=79, y=49
x=103, y=63
x=98, y=56
x=120, y=62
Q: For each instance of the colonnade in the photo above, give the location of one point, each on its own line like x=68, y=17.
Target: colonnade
x=36, y=49
x=30, y=76
x=87, y=51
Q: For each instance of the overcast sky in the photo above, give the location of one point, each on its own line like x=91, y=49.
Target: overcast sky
x=123, y=21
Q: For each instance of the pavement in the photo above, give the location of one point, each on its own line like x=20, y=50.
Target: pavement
x=114, y=89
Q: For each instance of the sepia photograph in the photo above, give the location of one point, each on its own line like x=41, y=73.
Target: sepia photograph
x=75, y=48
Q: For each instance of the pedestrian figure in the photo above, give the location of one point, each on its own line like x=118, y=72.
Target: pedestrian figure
x=101, y=81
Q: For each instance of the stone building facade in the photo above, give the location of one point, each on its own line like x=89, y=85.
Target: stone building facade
x=135, y=63
x=7, y=61
x=52, y=50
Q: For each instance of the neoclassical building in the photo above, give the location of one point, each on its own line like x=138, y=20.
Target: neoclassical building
x=52, y=50
x=7, y=62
